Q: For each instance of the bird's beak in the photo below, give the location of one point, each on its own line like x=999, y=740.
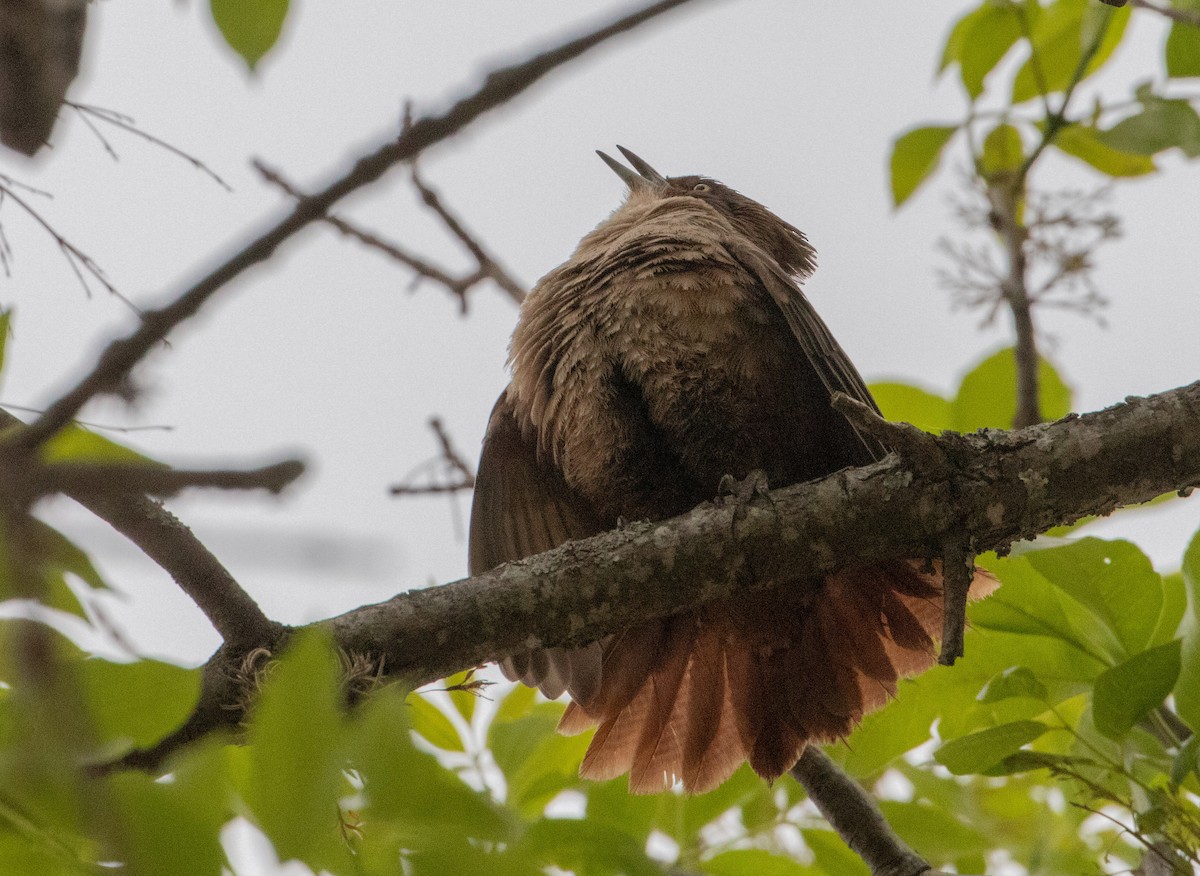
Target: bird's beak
x=641, y=176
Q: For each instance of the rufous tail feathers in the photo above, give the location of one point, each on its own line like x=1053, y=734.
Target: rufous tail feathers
x=689, y=698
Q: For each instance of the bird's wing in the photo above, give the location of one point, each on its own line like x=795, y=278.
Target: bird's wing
x=826, y=356
x=523, y=507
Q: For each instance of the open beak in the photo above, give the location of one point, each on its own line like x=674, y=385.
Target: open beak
x=642, y=174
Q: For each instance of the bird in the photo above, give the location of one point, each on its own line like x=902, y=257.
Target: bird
x=676, y=348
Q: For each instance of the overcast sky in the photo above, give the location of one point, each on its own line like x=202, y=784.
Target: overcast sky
x=326, y=352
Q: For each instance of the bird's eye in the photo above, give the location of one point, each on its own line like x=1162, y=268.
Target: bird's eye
x=700, y=187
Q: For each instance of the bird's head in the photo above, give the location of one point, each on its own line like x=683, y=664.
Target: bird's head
x=784, y=242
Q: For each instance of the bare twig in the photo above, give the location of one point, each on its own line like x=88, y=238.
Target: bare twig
x=450, y=456
x=489, y=266
x=83, y=479
x=87, y=113
x=104, y=427
x=499, y=87
x=1006, y=208
x=1183, y=16
x=82, y=265
x=420, y=266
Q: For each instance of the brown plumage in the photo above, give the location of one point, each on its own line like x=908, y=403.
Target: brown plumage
x=674, y=347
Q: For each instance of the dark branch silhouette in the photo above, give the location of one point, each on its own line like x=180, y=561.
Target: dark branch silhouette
x=168, y=542
x=499, y=87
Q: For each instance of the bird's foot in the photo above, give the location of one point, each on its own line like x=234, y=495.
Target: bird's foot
x=731, y=491
x=750, y=493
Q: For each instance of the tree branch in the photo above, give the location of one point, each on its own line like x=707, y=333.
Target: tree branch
x=997, y=488
x=489, y=266
x=855, y=816
x=168, y=542
x=87, y=478
x=1183, y=16
x=453, y=461
x=499, y=87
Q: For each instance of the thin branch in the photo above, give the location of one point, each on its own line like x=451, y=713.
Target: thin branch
x=1007, y=197
x=1006, y=208
x=499, y=87
x=104, y=427
x=80, y=262
x=450, y=456
x=423, y=268
x=855, y=816
x=449, y=452
x=119, y=120
x=1183, y=16
x=86, y=479
x=489, y=266
x=168, y=542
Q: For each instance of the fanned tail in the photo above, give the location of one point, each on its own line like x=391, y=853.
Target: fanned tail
x=689, y=698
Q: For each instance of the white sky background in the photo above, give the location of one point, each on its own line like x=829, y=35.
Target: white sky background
x=325, y=352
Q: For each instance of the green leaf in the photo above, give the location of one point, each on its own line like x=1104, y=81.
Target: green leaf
x=1187, y=691
x=1162, y=124
x=833, y=855
x=915, y=155
x=1003, y=151
x=1060, y=37
x=1027, y=606
x=250, y=27
x=611, y=803
x=952, y=51
x=740, y=791
x=515, y=704
x=60, y=552
x=1125, y=693
x=1027, y=761
x=586, y=847
x=994, y=30
x=910, y=404
x=754, y=862
x=295, y=758
x=1016, y=681
x=58, y=557
x=1173, y=609
x=551, y=768
x=1114, y=580
x=978, y=751
x=74, y=443
x=938, y=833
x=513, y=742
x=1085, y=143
x=897, y=728
x=1183, y=47
x=987, y=396
x=426, y=804
x=429, y=722
x=5, y=329
x=138, y=703
x=174, y=827
x=1187, y=761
